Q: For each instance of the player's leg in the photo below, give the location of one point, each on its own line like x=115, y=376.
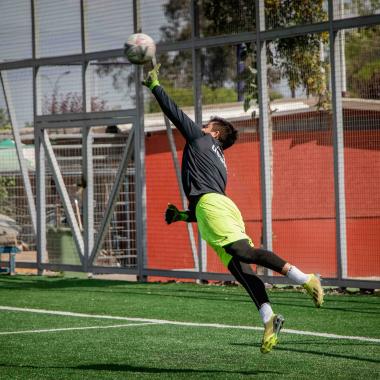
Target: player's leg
x=252, y=284
x=219, y=222
x=245, y=252
x=256, y=290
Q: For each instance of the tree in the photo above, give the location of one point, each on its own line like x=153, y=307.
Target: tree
x=297, y=59
x=365, y=7
x=362, y=52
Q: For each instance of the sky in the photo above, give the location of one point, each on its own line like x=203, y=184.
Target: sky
x=108, y=25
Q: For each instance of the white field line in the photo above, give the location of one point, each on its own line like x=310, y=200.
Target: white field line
x=190, y=324
x=74, y=328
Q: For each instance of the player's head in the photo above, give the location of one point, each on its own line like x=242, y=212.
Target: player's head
x=222, y=130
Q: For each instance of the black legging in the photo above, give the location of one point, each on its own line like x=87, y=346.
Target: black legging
x=244, y=252
x=252, y=284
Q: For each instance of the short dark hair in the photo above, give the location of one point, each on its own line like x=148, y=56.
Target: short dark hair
x=227, y=133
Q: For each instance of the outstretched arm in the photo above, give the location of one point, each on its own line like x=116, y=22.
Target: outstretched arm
x=184, y=124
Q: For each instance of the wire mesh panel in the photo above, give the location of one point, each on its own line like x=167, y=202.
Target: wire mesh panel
x=361, y=107
x=107, y=24
x=110, y=85
x=166, y=20
x=119, y=246
x=16, y=109
x=13, y=202
x=58, y=27
x=59, y=89
x=355, y=8
x=286, y=13
x=301, y=154
x=61, y=248
x=169, y=247
x=226, y=17
x=15, y=30
x=227, y=76
x=177, y=75
x=208, y=60
x=18, y=86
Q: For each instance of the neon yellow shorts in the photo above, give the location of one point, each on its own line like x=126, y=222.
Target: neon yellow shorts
x=220, y=223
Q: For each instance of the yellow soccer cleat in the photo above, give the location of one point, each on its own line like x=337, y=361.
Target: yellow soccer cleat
x=271, y=331
x=314, y=289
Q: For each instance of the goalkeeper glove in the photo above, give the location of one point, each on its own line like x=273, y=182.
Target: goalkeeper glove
x=172, y=214
x=151, y=81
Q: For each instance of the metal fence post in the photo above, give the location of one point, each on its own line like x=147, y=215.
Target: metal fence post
x=338, y=141
x=265, y=159
x=139, y=159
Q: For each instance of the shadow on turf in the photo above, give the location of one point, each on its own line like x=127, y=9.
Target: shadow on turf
x=130, y=368
x=311, y=352
x=66, y=283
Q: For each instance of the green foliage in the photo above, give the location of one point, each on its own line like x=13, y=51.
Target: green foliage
x=367, y=80
x=296, y=59
x=185, y=96
x=368, y=71
x=4, y=120
x=218, y=95
x=365, y=7
x=274, y=95
x=294, y=12
x=363, y=63
x=6, y=184
x=226, y=16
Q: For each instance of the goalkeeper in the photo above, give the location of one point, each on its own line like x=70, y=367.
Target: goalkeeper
x=204, y=179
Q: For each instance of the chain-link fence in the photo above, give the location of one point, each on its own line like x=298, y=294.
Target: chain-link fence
x=299, y=80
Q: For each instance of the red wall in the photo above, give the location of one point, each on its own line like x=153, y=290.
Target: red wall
x=303, y=200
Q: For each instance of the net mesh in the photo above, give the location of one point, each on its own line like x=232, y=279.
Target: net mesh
x=301, y=153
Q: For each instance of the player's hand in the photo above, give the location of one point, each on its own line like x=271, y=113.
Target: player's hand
x=151, y=81
x=172, y=214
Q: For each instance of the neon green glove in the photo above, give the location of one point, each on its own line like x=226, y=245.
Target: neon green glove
x=151, y=80
x=172, y=214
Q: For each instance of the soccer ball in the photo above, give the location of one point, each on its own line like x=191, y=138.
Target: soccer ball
x=140, y=48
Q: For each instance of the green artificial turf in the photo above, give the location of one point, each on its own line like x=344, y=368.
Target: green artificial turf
x=169, y=351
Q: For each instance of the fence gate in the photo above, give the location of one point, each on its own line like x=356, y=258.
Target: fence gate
x=90, y=193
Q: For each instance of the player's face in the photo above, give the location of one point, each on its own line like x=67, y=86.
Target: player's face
x=208, y=130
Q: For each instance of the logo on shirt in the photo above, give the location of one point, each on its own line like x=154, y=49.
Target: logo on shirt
x=219, y=154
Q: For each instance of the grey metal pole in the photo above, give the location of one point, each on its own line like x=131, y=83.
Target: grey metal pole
x=39, y=155
x=338, y=141
x=265, y=159
x=40, y=199
x=139, y=156
x=342, y=54
x=87, y=181
x=197, y=88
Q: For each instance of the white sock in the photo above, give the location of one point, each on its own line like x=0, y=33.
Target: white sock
x=296, y=275
x=266, y=312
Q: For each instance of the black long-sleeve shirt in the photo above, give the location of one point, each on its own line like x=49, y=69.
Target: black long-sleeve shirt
x=203, y=166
